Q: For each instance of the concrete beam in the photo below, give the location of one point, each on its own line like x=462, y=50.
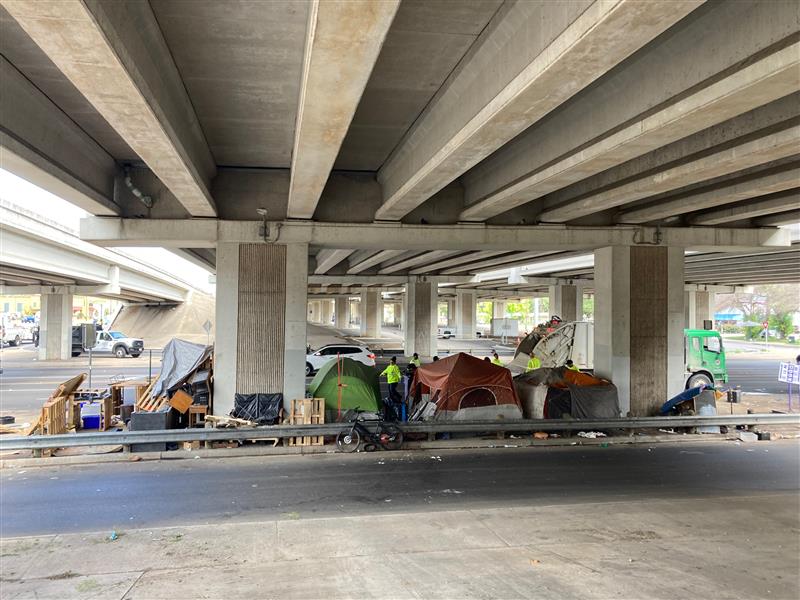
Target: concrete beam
x=343, y=40
x=41, y=144
x=775, y=203
x=114, y=53
x=788, y=218
x=327, y=258
x=459, y=260
x=371, y=259
x=206, y=233
x=740, y=188
x=755, y=150
x=717, y=100
x=416, y=260
x=385, y=279
x=513, y=77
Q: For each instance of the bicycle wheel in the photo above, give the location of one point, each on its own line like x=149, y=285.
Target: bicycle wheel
x=391, y=437
x=348, y=441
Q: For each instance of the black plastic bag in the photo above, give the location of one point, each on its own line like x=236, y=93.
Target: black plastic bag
x=264, y=409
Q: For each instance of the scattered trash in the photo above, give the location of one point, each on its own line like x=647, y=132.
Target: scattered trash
x=535, y=561
x=630, y=560
x=604, y=445
x=591, y=434
x=510, y=446
x=666, y=431
x=439, y=458
x=388, y=500
x=134, y=458
x=540, y=435
x=113, y=537
x=255, y=485
x=449, y=491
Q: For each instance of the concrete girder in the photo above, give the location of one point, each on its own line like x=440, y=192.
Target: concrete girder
x=728, y=192
x=343, y=40
x=775, y=203
x=38, y=278
x=786, y=218
x=514, y=76
x=765, y=80
x=756, y=150
x=327, y=258
x=469, y=257
x=115, y=55
x=201, y=233
x=515, y=259
x=371, y=261
x=41, y=144
x=416, y=260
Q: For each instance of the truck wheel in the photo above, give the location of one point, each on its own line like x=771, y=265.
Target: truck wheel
x=136, y=354
x=309, y=370
x=75, y=354
x=699, y=379
x=15, y=342
x=120, y=352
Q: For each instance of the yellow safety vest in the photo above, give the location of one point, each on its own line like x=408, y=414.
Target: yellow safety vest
x=574, y=368
x=416, y=362
x=533, y=363
x=497, y=361
x=392, y=373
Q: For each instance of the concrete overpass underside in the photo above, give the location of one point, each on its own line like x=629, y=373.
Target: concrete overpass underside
x=478, y=149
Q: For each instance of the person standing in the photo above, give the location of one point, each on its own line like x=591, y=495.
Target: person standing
x=415, y=360
x=572, y=366
x=496, y=360
x=393, y=377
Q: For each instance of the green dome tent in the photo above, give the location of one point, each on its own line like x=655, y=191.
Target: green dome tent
x=360, y=386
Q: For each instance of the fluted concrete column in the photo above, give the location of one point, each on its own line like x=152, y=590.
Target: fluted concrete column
x=420, y=312
x=564, y=302
x=638, y=331
x=371, y=314
x=498, y=309
x=342, y=312
x=465, y=314
x=55, y=326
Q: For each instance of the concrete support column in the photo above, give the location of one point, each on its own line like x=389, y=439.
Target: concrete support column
x=342, y=310
x=498, y=309
x=451, y=312
x=326, y=312
x=261, y=319
x=638, y=331
x=371, y=314
x=421, y=303
x=465, y=314
x=398, y=314
x=55, y=326
x=564, y=302
x=699, y=307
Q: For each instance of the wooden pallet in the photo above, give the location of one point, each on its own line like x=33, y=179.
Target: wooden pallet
x=54, y=416
x=308, y=411
x=150, y=404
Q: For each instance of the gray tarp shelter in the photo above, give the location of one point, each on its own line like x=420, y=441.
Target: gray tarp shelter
x=179, y=360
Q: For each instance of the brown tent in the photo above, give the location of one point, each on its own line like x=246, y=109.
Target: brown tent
x=467, y=388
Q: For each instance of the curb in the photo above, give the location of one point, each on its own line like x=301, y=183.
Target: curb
x=253, y=450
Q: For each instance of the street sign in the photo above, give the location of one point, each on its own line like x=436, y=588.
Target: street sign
x=207, y=326
x=789, y=373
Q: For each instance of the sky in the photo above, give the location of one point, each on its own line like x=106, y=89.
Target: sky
x=31, y=197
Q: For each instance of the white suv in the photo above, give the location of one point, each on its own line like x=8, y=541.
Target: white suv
x=314, y=360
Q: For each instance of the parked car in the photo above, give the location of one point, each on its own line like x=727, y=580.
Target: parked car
x=773, y=334
x=444, y=334
x=316, y=358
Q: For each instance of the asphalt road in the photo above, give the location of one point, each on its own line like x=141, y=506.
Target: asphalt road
x=103, y=497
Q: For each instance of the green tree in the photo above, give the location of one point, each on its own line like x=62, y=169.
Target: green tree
x=484, y=312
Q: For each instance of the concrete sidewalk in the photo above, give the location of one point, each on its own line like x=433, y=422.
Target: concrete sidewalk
x=743, y=547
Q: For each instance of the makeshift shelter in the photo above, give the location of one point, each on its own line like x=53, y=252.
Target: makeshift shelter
x=360, y=388
x=551, y=393
x=462, y=387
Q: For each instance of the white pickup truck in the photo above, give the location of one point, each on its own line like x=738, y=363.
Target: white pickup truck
x=14, y=334
x=109, y=342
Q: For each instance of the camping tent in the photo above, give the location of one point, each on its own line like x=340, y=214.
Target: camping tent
x=551, y=393
x=360, y=387
x=467, y=388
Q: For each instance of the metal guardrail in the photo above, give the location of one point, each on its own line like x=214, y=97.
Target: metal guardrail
x=126, y=438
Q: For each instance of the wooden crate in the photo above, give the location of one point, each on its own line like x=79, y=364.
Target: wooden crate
x=308, y=411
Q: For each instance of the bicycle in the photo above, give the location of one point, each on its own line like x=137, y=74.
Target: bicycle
x=386, y=435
